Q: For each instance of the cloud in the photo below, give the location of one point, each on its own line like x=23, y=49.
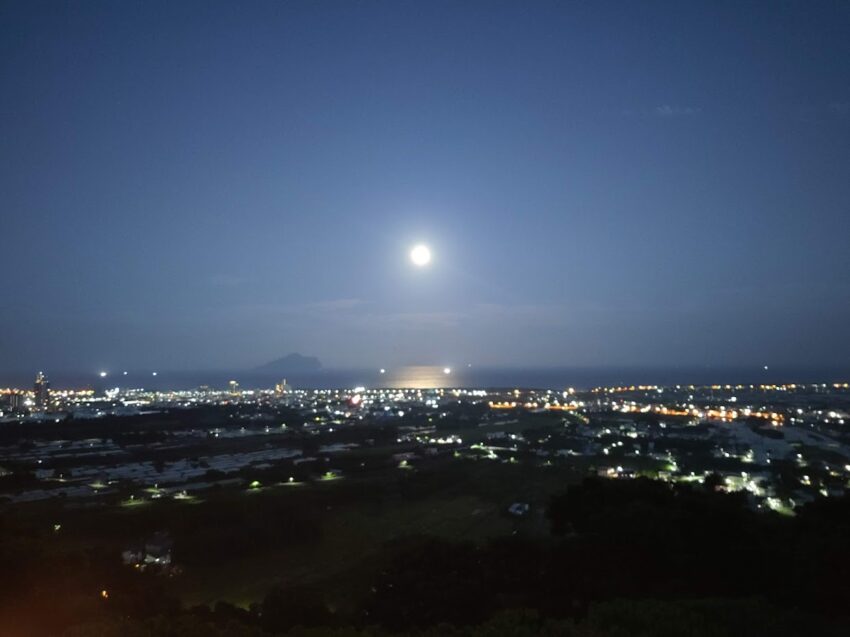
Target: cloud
x=668, y=110
x=476, y=316
x=333, y=305
x=413, y=320
x=524, y=315
x=842, y=108
x=226, y=280
x=289, y=313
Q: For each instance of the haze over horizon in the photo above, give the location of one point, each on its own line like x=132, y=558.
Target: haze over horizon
x=210, y=185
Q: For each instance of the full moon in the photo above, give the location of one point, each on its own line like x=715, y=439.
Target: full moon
x=420, y=255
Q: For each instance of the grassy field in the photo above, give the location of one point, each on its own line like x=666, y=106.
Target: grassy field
x=351, y=537
x=467, y=502
x=332, y=534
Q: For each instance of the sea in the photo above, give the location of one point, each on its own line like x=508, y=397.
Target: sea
x=429, y=376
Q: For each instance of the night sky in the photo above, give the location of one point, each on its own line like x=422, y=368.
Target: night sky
x=200, y=185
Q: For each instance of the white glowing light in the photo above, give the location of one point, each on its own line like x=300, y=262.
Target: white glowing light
x=447, y=370
x=103, y=374
x=420, y=255
x=383, y=371
x=153, y=374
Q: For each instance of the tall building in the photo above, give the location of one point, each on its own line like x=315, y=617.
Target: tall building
x=281, y=387
x=41, y=389
x=234, y=387
x=16, y=401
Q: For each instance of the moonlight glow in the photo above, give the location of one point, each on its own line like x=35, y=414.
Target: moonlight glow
x=420, y=255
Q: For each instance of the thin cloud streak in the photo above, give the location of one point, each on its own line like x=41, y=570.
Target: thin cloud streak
x=667, y=110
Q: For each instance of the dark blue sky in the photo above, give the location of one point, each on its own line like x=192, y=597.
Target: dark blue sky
x=207, y=185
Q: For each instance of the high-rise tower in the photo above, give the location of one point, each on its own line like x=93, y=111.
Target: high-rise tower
x=41, y=389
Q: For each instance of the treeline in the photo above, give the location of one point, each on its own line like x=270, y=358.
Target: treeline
x=204, y=416
x=621, y=618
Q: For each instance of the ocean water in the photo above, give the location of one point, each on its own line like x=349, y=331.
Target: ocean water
x=424, y=376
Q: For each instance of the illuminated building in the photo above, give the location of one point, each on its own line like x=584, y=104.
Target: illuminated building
x=16, y=401
x=41, y=389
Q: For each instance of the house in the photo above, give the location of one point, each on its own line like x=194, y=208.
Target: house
x=156, y=551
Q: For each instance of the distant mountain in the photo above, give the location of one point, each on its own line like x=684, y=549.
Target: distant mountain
x=291, y=364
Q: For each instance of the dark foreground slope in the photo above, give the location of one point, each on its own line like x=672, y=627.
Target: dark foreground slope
x=623, y=558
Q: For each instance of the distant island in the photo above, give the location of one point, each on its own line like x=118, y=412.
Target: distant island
x=291, y=364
